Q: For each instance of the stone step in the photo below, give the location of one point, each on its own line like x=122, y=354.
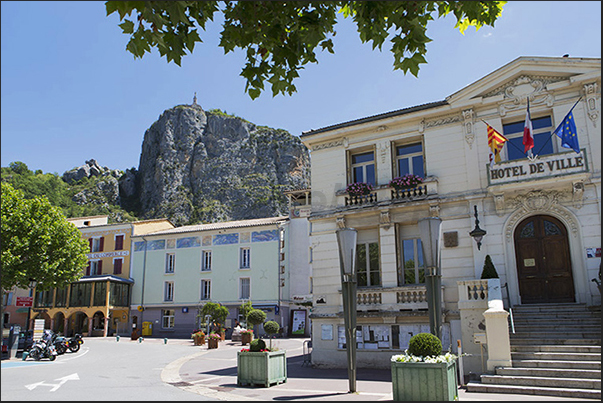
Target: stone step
x=550, y=372
x=530, y=390
x=578, y=383
x=555, y=348
x=559, y=364
x=564, y=356
x=537, y=322
x=573, y=307
x=558, y=329
x=568, y=334
x=516, y=340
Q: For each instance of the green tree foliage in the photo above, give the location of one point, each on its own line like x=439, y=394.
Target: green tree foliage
x=280, y=37
x=245, y=308
x=38, y=243
x=489, y=271
x=256, y=317
x=59, y=193
x=217, y=311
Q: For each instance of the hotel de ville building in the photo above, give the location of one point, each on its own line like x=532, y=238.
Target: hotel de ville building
x=540, y=210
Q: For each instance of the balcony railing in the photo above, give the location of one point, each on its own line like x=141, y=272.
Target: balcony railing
x=406, y=298
x=385, y=194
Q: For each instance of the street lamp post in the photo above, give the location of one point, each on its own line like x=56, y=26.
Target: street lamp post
x=346, y=241
x=32, y=286
x=477, y=233
x=430, y=239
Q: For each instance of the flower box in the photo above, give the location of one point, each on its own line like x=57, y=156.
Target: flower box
x=359, y=189
x=262, y=368
x=424, y=381
x=407, y=181
x=246, y=337
x=213, y=342
x=198, y=339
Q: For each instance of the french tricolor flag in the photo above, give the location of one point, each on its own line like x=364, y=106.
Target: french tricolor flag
x=528, y=132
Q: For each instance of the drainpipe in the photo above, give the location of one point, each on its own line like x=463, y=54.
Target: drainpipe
x=144, y=270
x=279, y=230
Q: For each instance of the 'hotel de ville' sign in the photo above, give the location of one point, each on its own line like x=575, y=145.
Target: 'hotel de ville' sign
x=541, y=167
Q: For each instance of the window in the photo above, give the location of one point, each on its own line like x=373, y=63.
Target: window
x=119, y=242
x=80, y=294
x=60, y=299
x=206, y=260
x=409, y=159
x=170, y=259
x=363, y=167
x=542, y=138
x=100, y=294
x=120, y=294
x=44, y=299
x=168, y=291
x=97, y=244
x=117, y=265
x=205, y=289
x=413, y=268
x=167, y=318
x=244, y=288
x=369, y=273
x=245, y=258
x=95, y=268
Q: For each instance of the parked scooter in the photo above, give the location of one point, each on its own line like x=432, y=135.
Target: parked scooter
x=73, y=343
x=43, y=348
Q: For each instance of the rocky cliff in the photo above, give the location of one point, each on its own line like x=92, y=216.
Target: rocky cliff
x=206, y=166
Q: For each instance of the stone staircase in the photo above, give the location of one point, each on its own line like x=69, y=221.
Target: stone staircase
x=555, y=351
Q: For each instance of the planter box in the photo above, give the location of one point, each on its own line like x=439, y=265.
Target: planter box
x=199, y=341
x=264, y=368
x=423, y=381
x=246, y=338
x=212, y=343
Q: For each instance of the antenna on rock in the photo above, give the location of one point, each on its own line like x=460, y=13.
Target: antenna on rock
x=195, y=99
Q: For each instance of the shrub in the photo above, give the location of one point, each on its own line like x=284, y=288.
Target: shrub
x=257, y=345
x=489, y=271
x=271, y=327
x=424, y=344
x=256, y=317
x=406, y=181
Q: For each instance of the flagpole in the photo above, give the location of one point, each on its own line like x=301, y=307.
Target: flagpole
x=554, y=131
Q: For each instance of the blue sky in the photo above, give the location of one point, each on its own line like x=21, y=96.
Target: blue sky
x=71, y=92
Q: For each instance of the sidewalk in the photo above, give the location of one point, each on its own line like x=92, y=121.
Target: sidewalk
x=213, y=373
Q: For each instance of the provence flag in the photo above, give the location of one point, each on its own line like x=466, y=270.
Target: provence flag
x=568, y=134
x=496, y=141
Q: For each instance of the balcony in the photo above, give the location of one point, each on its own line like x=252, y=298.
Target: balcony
x=384, y=195
x=396, y=299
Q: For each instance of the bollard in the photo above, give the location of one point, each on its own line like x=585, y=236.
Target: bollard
x=117, y=338
x=24, y=355
x=165, y=340
x=140, y=339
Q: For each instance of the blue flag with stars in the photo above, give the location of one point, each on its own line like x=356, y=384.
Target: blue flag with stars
x=567, y=133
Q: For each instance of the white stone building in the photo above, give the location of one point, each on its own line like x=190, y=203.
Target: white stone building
x=542, y=215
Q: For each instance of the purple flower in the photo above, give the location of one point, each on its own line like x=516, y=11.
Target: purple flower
x=406, y=181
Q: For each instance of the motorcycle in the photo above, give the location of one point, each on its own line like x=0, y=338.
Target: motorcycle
x=60, y=344
x=43, y=348
x=73, y=343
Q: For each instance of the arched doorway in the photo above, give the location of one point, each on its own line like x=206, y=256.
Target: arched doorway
x=544, y=267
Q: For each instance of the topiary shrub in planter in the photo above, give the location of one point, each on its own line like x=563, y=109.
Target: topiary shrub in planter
x=261, y=366
x=256, y=317
x=422, y=373
x=271, y=328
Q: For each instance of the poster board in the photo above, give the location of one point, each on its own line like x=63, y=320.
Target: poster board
x=298, y=322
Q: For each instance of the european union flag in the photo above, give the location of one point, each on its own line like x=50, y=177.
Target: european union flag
x=567, y=133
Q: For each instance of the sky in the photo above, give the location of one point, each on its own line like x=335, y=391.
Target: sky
x=70, y=92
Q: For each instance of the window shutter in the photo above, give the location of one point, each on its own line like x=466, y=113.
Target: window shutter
x=90, y=243
x=117, y=266
x=100, y=267
x=102, y=243
x=119, y=242
x=88, y=269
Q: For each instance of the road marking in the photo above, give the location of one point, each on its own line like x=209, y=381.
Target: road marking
x=55, y=386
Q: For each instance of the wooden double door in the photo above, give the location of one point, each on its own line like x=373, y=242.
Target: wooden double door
x=543, y=261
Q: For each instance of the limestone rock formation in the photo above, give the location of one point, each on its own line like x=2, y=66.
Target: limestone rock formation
x=199, y=166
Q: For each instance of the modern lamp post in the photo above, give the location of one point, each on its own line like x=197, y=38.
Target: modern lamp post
x=430, y=238
x=346, y=241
